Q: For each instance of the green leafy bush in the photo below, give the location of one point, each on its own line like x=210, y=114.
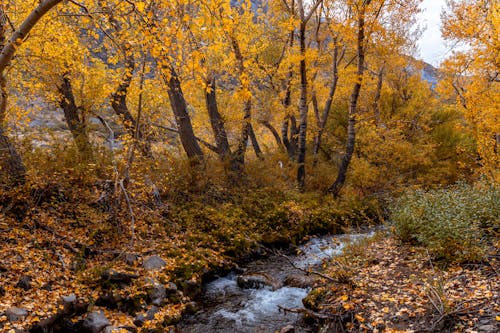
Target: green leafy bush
x=454, y=224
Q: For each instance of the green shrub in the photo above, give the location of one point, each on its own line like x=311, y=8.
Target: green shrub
x=454, y=224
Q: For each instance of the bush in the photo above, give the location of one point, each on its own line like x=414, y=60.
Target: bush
x=454, y=224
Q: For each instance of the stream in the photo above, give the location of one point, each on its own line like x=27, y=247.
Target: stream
x=227, y=308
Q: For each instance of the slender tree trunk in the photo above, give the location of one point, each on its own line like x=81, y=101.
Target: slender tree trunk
x=179, y=108
x=216, y=120
x=239, y=154
x=328, y=105
x=378, y=93
x=11, y=165
x=274, y=132
x=17, y=38
x=353, y=105
x=119, y=105
x=303, y=110
x=255, y=143
x=74, y=120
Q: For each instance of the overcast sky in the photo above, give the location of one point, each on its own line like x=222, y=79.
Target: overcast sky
x=432, y=47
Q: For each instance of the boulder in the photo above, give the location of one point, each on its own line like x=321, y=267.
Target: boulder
x=141, y=318
x=154, y=263
x=16, y=314
x=95, y=322
x=299, y=281
x=157, y=293
x=257, y=281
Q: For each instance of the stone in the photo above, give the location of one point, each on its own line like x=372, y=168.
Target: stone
x=191, y=288
x=257, y=281
x=68, y=301
x=299, y=281
x=288, y=329
x=157, y=293
x=141, y=318
x=487, y=328
x=16, y=314
x=95, y=322
x=118, y=277
x=24, y=282
x=154, y=263
x=130, y=259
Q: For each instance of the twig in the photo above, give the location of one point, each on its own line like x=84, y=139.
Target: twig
x=131, y=212
x=307, y=271
x=308, y=312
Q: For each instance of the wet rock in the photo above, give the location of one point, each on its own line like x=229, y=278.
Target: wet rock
x=118, y=277
x=16, y=314
x=288, y=329
x=141, y=318
x=192, y=307
x=257, y=281
x=24, y=282
x=95, y=322
x=154, y=263
x=191, y=288
x=157, y=293
x=130, y=259
x=299, y=281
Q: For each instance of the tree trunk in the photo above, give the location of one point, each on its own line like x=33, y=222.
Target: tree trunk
x=255, y=143
x=303, y=110
x=378, y=93
x=216, y=121
x=274, y=132
x=75, y=121
x=119, y=105
x=11, y=165
x=179, y=108
x=20, y=34
x=353, y=105
x=239, y=154
x=328, y=105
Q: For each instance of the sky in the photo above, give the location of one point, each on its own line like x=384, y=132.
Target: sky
x=432, y=47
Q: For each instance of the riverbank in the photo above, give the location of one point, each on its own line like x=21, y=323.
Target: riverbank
x=68, y=257
x=385, y=286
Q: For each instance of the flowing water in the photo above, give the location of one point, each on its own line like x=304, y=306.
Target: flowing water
x=228, y=308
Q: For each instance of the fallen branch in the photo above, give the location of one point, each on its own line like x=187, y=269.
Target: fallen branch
x=308, y=312
x=307, y=271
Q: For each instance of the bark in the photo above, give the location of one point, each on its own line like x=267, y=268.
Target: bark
x=74, y=119
x=274, y=132
x=255, y=143
x=119, y=105
x=378, y=93
x=328, y=104
x=239, y=154
x=216, y=121
x=303, y=110
x=9, y=49
x=353, y=105
x=179, y=108
x=12, y=168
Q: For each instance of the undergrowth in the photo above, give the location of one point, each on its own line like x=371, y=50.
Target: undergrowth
x=455, y=224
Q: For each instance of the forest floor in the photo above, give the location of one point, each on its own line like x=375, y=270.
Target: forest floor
x=53, y=271
x=388, y=287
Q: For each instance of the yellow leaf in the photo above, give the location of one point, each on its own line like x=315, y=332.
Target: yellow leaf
x=344, y=298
